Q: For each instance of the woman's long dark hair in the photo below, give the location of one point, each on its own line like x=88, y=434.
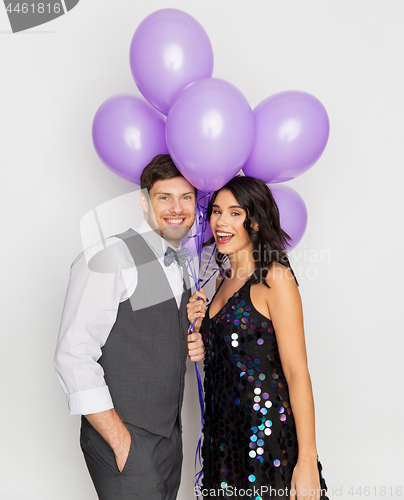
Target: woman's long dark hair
x=270, y=241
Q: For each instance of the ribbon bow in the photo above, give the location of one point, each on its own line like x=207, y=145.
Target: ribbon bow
x=171, y=255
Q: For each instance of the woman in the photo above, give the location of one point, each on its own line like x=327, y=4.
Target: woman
x=254, y=445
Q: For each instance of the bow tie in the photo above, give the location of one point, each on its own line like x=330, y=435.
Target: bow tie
x=171, y=255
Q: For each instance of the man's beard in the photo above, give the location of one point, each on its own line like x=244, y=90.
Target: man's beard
x=172, y=233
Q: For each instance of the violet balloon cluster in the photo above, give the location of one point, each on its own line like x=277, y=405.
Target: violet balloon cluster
x=210, y=130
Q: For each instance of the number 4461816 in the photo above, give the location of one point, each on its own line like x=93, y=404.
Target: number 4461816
x=40, y=8
x=382, y=491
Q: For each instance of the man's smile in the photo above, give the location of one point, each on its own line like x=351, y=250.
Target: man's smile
x=174, y=221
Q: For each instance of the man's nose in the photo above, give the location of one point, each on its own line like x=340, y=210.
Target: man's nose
x=176, y=207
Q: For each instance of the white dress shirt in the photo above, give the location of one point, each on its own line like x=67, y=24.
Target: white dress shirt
x=89, y=313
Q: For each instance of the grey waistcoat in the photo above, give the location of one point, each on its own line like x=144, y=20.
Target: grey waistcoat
x=144, y=356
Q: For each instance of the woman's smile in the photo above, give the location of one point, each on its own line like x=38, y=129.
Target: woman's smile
x=223, y=237
x=227, y=224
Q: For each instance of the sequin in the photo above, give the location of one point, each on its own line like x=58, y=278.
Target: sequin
x=248, y=421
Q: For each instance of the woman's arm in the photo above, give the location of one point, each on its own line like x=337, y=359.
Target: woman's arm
x=284, y=304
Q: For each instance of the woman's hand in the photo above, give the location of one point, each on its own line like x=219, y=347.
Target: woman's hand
x=305, y=483
x=196, y=309
x=196, y=350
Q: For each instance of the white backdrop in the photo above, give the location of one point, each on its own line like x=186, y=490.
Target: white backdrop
x=54, y=77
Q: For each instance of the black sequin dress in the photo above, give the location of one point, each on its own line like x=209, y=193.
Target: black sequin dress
x=250, y=444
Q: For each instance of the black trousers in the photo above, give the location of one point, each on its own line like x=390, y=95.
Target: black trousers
x=152, y=470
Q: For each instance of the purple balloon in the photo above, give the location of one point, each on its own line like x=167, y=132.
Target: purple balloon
x=210, y=132
x=169, y=50
x=292, y=212
x=291, y=132
x=127, y=134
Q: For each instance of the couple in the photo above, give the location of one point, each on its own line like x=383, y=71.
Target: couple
x=123, y=343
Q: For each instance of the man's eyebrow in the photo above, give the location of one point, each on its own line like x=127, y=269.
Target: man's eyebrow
x=170, y=194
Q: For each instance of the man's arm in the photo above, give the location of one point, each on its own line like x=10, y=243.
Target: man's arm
x=112, y=428
x=89, y=314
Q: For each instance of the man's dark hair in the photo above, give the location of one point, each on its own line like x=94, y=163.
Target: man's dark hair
x=161, y=167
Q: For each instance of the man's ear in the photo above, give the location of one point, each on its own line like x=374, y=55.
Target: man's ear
x=144, y=202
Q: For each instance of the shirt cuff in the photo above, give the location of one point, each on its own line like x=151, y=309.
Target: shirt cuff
x=90, y=401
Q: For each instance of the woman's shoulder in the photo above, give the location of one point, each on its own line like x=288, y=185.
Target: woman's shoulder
x=281, y=290
x=280, y=277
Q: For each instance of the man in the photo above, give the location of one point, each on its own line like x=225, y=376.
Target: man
x=122, y=345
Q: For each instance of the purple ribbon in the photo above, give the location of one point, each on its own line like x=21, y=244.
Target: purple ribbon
x=201, y=218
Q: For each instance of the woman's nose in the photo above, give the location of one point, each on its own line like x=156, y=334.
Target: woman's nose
x=222, y=220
